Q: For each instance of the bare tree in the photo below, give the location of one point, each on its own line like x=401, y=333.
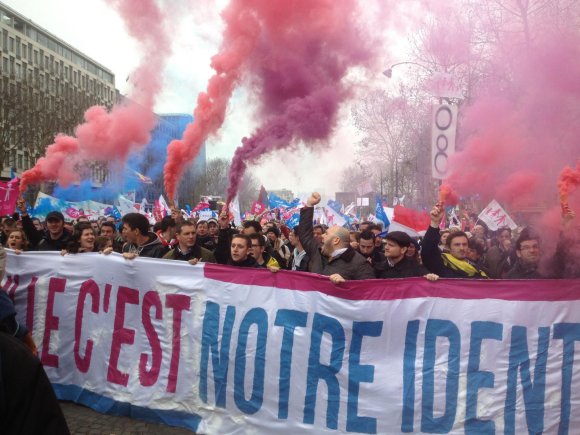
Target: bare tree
x=392, y=144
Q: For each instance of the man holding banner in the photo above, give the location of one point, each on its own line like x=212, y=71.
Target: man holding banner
x=447, y=265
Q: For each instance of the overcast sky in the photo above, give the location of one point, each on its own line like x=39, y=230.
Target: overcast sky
x=96, y=30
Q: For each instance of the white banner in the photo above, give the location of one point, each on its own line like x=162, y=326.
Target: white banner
x=443, y=130
x=495, y=217
x=227, y=350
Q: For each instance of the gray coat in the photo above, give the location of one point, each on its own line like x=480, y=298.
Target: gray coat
x=351, y=265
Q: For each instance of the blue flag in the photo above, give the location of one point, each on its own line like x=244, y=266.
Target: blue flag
x=293, y=221
x=380, y=212
x=274, y=201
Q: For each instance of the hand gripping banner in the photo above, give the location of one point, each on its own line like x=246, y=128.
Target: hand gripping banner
x=226, y=350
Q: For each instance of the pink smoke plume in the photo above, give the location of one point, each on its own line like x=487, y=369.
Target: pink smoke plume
x=111, y=136
x=305, y=50
x=519, y=126
x=239, y=40
x=568, y=181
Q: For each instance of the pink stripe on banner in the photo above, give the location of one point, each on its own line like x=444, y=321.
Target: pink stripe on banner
x=408, y=288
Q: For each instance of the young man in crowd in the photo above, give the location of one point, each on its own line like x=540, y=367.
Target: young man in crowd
x=528, y=253
x=397, y=264
x=55, y=238
x=139, y=240
x=453, y=264
x=186, y=249
x=109, y=231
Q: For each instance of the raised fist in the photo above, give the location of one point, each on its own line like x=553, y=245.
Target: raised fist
x=313, y=199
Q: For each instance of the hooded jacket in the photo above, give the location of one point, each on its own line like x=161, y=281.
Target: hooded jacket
x=153, y=248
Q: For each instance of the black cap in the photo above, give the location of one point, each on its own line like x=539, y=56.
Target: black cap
x=55, y=215
x=400, y=238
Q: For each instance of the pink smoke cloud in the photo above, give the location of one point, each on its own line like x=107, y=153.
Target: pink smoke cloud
x=111, y=136
x=297, y=70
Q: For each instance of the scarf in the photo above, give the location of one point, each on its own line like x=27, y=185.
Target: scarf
x=461, y=265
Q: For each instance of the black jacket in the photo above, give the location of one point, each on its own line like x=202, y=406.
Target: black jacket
x=28, y=404
x=522, y=271
x=433, y=261
x=406, y=268
x=152, y=249
x=351, y=265
x=41, y=240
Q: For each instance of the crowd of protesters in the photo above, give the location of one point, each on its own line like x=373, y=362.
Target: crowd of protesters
x=364, y=252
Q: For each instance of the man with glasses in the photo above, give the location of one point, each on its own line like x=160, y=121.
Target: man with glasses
x=528, y=257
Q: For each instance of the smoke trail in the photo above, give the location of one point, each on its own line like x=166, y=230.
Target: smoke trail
x=568, y=181
x=111, y=136
x=239, y=40
x=306, y=49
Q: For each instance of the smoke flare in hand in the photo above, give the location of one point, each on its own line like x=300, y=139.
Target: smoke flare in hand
x=447, y=196
x=568, y=181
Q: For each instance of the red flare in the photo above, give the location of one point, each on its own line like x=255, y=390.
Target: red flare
x=568, y=181
x=447, y=196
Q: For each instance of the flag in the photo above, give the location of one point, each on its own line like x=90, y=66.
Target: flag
x=293, y=220
x=263, y=196
x=164, y=207
x=412, y=222
x=142, y=178
x=335, y=205
x=495, y=217
x=333, y=217
x=380, y=212
x=9, y=195
x=235, y=209
x=257, y=208
x=126, y=206
x=274, y=201
x=201, y=206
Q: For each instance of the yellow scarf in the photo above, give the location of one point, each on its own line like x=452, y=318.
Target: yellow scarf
x=465, y=266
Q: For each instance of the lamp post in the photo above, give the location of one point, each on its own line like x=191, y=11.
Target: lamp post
x=389, y=71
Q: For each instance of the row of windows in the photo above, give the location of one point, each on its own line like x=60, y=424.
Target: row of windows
x=12, y=67
x=15, y=46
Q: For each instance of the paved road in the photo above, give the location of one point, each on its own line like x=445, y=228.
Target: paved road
x=85, y=421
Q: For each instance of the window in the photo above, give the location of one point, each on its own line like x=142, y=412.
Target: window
x=24, y=52
x=11, y=44
x=5, y=64
x=35, y=57
x=20, y=161
x=17, y=47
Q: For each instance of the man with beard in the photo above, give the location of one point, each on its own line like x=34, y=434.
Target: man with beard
x=453, y=264
x=337, y=258
x=368, y=249
x=186, y=249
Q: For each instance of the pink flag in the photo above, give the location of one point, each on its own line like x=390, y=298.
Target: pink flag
x=8, y=196
x=257, y=208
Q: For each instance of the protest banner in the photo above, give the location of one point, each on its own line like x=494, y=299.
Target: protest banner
x=225, y=350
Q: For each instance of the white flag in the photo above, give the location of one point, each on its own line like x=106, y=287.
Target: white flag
x=495, y=217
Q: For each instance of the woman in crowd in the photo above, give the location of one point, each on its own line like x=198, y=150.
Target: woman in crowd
x=17, y=241
x=82, y=240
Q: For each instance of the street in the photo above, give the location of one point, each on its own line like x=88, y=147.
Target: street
x=84, y=421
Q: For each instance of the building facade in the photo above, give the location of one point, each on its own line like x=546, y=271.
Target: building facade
x=151, y=160
x=45, y=87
